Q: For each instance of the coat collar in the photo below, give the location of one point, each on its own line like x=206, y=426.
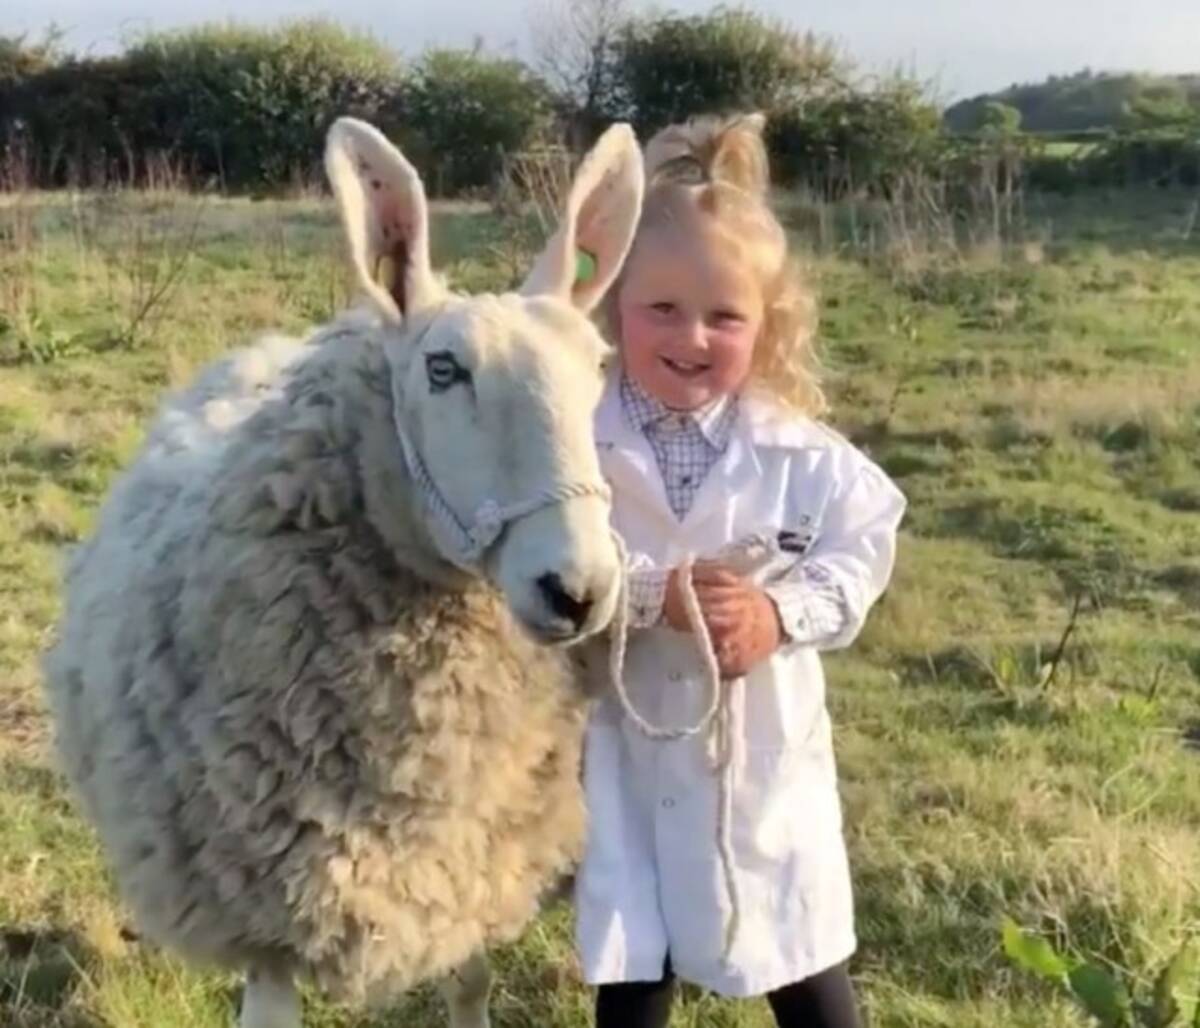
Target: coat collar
x=714, y=421
x=628, y=461
x=761, y=421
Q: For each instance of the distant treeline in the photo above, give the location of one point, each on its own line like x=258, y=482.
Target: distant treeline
x=1094, y=129
x=1088, y=101
x=246, y=108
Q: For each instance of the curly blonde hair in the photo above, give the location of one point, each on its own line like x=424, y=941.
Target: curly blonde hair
x=717, y=168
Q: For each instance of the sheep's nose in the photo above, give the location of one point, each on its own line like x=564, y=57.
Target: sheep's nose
x=562, y=602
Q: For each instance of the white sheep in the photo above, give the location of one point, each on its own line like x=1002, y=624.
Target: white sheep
x=302, y=683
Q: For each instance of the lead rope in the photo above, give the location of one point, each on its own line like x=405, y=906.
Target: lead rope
x=718, y=717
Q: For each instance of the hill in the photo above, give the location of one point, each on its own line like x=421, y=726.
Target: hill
x=1085, y=101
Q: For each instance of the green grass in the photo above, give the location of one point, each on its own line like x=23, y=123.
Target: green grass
x=1040, y=405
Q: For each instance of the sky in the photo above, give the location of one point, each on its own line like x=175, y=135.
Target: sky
x=963, y=46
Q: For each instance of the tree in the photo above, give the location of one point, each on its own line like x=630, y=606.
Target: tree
x=462, y=110
x=860, y=137
x=19, y=58
x=671, y=67
x=254, y=103
x=21, y=61
x=247, y=106
x=1161, y=110
x=999, y=121
x=574, y=43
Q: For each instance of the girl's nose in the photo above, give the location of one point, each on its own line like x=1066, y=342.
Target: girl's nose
x=697, y=333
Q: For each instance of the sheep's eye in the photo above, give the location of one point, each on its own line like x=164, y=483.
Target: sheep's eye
x=443, y=371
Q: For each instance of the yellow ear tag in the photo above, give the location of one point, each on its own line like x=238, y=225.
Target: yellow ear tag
x=385, y=272
x=585, y=267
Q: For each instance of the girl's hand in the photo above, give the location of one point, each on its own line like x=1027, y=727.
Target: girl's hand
x=742, y=620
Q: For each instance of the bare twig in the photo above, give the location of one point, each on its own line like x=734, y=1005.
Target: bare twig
x=157, y=267
x=536, y=181
x=147, y=241
x=572, y=47
x=1156, y=681
x=1062, y=642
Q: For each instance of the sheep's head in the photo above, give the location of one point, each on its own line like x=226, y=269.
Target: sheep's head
x=495, y=394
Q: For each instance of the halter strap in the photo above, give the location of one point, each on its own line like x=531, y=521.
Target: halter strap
x=466, y=543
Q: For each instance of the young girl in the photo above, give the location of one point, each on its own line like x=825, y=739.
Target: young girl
x=707, y=436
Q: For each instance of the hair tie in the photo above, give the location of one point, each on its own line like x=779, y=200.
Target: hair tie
x=687, y=168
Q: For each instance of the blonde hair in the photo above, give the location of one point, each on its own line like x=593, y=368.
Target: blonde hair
x=717, y=168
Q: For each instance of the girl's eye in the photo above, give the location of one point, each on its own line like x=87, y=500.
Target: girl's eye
x=443, y=371
x=663, y=308
x=728, y=318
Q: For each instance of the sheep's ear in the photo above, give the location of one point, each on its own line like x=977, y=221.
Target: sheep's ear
x=382, y=204
x=584, y=255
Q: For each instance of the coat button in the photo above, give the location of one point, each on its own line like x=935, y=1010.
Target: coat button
x=668, y=803
x=675, y=676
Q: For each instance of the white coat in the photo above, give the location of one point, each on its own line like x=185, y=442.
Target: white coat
x=651, y=882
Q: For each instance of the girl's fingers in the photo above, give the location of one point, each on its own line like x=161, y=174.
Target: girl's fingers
x=724, y=620
x=725, y=609
x=711, y=603
x=721, y=589
x=713, y=574
x=725, y=635
x=723, y=627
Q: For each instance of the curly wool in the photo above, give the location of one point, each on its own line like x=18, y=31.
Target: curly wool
x=296, y=746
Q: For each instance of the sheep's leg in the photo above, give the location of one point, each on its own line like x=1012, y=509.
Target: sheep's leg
x=271, y=999
x=466, y=993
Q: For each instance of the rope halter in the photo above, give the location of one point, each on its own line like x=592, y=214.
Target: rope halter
x=465, y=542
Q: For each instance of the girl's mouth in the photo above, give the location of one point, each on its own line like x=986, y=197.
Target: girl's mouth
x=686, y=369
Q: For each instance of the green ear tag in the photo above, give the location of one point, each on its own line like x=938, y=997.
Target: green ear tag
x=585, y=267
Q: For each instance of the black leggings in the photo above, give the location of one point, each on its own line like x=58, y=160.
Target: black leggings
x=825, y=1000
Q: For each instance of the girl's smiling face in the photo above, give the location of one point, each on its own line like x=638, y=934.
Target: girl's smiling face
x=689, y=315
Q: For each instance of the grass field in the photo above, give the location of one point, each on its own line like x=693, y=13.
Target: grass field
x=1038, y=401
